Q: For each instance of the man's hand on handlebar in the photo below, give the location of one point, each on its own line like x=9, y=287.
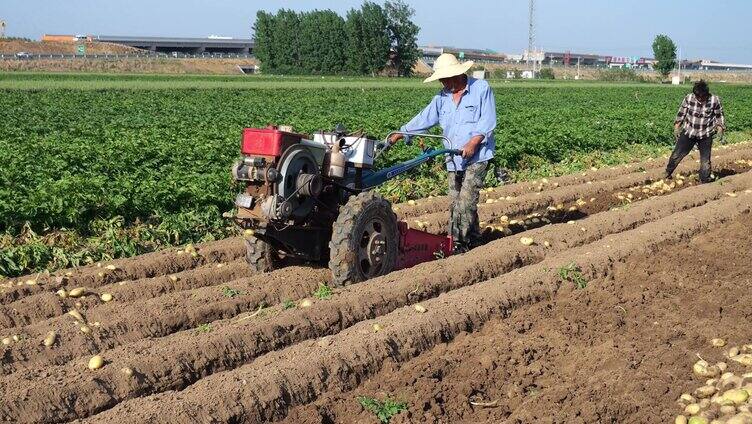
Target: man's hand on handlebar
x=395, y=138
x=471, y=147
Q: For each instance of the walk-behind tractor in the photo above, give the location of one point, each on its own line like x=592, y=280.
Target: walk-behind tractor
x=311, y=198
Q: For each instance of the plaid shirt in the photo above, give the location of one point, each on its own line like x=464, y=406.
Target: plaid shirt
x=699, y=120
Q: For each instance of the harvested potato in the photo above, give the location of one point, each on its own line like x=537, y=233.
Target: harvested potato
x=705, y=392
x=96, y=362
x=736, y=396
x=718, y=342
x=686, y=398
x=50, y=339
x=306, y=303
x=106, y=297
x=527, y=241
x=420, y=308
x=77, y=292
x=703, y=369
x=744, y=359
x=376, y=328
x=692, y=409
x=77, y=315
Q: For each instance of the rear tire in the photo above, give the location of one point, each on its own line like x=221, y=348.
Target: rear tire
x=261, y=257
x=364, y=239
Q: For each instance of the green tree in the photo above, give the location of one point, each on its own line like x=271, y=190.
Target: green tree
x=355, y=50
x=664, y=51
x=547, y=73
x=263, y=35
x=322, y=47
x=375, y=35
x=286, y=43
x=403, y=34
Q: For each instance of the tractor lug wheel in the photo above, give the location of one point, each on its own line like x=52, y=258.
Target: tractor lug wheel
x=364, y=240
x=261, y=257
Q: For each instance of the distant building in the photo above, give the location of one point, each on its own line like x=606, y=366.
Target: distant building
x=211, y=44
x=629, y=62
x=709, y=65
x=430, y=53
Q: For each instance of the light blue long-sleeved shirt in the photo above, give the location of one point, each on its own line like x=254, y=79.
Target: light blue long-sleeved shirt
x=474, y=115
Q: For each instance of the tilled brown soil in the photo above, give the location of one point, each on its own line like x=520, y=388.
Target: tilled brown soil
x=201, y=339
x=618, y=351
x=266, y=388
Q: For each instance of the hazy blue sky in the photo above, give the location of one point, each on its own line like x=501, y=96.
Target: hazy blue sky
x=717, y=29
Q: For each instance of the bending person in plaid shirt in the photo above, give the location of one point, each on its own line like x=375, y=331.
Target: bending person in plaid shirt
x=700, y=117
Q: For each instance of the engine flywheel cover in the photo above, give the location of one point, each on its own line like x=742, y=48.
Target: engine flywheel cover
x=296, y=160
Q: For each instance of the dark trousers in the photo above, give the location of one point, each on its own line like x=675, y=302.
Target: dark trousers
x=684, y=145
x=464, y=192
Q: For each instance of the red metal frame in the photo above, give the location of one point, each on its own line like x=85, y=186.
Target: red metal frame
x=419, y=246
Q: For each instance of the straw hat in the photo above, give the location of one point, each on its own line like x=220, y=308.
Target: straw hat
x=448, y=66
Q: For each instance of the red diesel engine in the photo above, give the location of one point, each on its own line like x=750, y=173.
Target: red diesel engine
x=282, y=175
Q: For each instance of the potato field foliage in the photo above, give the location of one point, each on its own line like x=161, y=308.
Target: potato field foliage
x=100, y=173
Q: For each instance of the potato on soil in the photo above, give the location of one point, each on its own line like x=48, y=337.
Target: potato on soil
x=420, y=308
x=736, y=396
x=96, y=362
x=705, y=392
x=527, y=241
x=77, y=292
x=698, y=420
x=718, y=342
x=50, y=339
x=106, y=297
x=77, y=315
x=703, y=369
x=306, y=303
x=692, y=409
x=744, y=359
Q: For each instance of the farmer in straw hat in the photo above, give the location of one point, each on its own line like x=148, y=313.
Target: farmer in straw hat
x=466, y=111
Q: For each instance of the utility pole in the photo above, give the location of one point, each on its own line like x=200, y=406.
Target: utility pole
x=2, y=28
x=680, y=63
x=531, y=38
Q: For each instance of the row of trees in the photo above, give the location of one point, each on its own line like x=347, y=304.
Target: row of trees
x=365, y=42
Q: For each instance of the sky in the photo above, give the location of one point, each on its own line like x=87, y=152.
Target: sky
x=709, y=29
